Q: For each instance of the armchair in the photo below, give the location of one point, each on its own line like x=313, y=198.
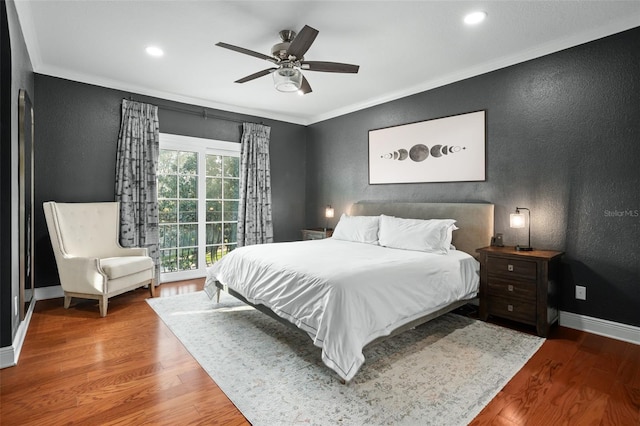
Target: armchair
x=91, y=262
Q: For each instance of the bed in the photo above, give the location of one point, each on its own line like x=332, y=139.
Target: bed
x=368, y=281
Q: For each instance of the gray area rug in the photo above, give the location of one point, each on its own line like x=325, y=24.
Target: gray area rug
x=441, y=373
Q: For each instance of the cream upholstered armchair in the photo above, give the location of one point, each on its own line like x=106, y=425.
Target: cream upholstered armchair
x=91, y=262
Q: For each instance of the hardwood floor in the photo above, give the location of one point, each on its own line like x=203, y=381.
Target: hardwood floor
x=575, y=378
x=128, y=368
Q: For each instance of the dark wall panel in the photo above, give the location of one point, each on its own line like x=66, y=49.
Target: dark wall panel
x=562, y=140
x=6, y=182
x=77, y=136
x=17, y=73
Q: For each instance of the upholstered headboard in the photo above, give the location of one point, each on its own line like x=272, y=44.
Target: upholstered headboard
x=475, y=220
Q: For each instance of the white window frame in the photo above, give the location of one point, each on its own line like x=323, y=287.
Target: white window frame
x=202, y=147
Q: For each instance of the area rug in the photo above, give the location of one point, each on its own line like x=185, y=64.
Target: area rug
x=441, y=373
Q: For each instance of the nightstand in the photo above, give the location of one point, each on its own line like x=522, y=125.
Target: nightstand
x=520, y=285
x=316, y=233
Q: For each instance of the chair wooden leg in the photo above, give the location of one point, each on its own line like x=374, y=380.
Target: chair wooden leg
x=67, y=301
x=104, y=302
x=152, y=288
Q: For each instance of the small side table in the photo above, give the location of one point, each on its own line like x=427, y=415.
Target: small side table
x=520, y=285
x=316, y=233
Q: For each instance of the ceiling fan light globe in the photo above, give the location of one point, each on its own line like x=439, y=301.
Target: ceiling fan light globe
x=287, y=79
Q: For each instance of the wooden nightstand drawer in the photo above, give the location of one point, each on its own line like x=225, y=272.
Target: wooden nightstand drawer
x=512, y=268
x=509, y=288
x=512, y=308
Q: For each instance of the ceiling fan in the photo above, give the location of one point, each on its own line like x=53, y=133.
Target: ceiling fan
x=288, y=58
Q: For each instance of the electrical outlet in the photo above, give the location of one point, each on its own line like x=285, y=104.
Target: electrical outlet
x=581, y=292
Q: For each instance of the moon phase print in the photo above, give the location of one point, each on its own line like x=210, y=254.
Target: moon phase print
x=447, y=149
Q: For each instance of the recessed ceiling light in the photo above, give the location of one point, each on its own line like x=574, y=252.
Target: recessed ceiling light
x=475, y=18
x=154, y=51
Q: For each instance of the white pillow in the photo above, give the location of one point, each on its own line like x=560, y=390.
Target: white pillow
x=432, y=235
x=360, y=229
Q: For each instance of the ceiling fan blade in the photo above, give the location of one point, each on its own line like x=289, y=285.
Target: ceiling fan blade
x=256, y=75
x=305, y=87
x=246, y=51
x=329, y=67
x=302, y=42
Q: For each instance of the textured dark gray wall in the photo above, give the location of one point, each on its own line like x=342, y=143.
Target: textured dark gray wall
x=563, y=139
x=76, y=139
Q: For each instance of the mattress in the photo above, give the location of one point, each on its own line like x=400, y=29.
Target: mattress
x=346, y=294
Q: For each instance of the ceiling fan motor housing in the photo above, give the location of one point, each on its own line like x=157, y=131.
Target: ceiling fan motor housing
x=279, y=50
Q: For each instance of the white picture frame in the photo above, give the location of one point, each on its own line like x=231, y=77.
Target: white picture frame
x=447, y=149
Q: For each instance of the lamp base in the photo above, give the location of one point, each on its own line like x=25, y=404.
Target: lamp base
x=522, y=248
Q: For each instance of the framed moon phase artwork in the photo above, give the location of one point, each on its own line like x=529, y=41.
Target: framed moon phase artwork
x=448, y=149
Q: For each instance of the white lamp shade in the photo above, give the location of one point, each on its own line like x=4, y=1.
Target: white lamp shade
x=516, y=220
x=328, y=212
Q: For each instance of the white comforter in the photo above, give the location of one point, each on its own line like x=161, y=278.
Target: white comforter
x=346, y=294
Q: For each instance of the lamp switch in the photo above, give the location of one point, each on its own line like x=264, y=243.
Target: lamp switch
x=581, y=292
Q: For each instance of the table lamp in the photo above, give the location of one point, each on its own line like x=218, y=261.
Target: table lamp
x=328, y=214
x=517, y=220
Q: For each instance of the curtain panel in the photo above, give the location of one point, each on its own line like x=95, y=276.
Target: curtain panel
x=255, y=224
x=136, y=183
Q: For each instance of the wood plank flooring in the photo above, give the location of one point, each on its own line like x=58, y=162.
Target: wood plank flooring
x=129, y=369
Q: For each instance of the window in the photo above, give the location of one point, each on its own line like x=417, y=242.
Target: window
x=198, y=191
x=222, y=174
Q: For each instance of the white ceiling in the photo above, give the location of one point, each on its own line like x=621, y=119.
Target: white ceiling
x=402, y=47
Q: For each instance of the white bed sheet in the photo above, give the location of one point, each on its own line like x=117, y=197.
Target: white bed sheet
x=346, y=294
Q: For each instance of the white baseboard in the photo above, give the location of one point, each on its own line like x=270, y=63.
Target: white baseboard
x=614, y=330
x=9, y=355
x=51, y=292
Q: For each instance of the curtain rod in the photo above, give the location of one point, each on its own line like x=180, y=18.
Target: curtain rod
x=202, y=114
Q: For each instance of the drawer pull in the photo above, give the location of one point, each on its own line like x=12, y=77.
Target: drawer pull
x=510, y=287
x=510, y=308
x=510, y=268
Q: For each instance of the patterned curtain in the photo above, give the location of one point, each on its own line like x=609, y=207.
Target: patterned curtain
x=255, y=225
x=136, y=165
